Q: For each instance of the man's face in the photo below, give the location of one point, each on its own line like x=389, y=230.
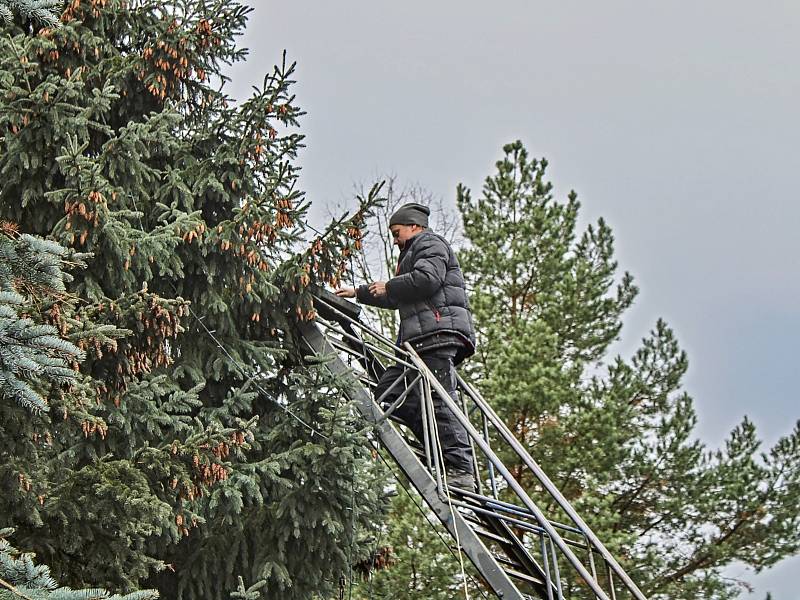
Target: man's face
x=402, y=233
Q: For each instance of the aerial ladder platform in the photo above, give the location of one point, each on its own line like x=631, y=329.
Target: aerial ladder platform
x=521, y=548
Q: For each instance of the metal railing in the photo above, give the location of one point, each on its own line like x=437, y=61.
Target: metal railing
x=536, y=536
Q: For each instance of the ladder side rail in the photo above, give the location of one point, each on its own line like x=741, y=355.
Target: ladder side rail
x=349, y=323
x=492, y=478
x=507, y=506
x=343, y=318
x=591, y=560
x=475, y=466
x=417, y=474
x=546, y=563
x=429, y=440
x=556, y=571
x=363, y=344
x=522, y=524
x=551, y=488
x=513, y=547
x=429, y=412
x=512, y=509
x=512, y=483
x=611, y=562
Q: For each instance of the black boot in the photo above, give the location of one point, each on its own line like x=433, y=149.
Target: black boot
x=460, y=479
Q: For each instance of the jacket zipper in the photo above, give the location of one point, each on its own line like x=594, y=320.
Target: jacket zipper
x=434, y=311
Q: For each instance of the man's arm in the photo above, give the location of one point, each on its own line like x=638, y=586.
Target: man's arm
x=371, y=295
x=426, y=276
x=368, y=294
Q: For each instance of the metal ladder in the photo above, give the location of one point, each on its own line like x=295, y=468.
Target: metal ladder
x=520, y=547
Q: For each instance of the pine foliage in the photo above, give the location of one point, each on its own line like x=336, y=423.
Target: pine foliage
x=197, y=443
x=616, y=436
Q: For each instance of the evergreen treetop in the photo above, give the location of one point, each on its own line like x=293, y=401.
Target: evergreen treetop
x=196, y=444
x=615, y=436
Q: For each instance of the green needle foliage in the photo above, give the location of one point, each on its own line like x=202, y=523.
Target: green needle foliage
x=43, y=13
x=615, y=436
x=21, y=578
x=32, y=355
x=414, y=557
x=195, y=443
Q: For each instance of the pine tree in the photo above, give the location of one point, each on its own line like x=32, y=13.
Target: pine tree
x=614, y=435
x=197, y=443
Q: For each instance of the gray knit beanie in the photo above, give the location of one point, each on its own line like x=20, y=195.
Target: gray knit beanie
x=411, y=214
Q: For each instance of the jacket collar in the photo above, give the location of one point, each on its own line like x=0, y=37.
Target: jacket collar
x=412, y=240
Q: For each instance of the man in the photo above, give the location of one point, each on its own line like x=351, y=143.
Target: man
x=428, y=290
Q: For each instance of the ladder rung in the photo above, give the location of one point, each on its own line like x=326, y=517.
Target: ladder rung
x=472, y=517
x=523, y=576
x=492, y=536
x=493, y=530
x=507, y=561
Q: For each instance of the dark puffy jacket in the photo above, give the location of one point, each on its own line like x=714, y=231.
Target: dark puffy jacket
x=429, y=291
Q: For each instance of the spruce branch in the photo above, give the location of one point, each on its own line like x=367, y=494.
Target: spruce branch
x=43, y=13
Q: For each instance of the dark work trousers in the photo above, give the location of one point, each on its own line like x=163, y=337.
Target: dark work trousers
x=453, y=436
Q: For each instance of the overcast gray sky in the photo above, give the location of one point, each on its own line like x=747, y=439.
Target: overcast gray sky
x=675, y=121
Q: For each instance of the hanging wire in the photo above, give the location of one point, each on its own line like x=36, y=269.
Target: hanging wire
x=352, y=532
x=428, y=398
x=252, y=377
x=224, y=350
x=433, y=526
x=442, y=479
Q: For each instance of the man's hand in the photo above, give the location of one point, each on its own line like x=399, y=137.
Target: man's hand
x=377, y=289
x=346, y=292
